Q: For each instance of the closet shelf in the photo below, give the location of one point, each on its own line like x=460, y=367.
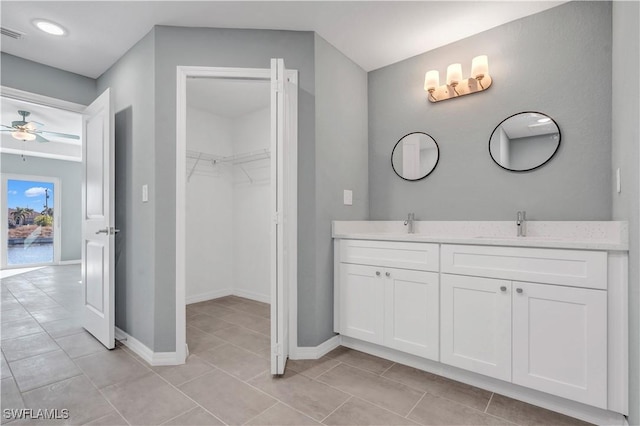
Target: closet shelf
x=245, y=157
x=234, y=160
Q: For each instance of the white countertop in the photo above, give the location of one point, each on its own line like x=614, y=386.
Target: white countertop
x=583, y=235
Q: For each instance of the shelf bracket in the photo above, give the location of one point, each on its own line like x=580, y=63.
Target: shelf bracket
x=247, y=174
x=193, y=169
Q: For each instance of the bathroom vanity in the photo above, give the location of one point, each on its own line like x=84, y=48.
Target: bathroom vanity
x=541, y=318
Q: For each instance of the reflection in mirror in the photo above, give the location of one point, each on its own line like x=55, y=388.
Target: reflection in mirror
x=524, y=141
x=415, y=156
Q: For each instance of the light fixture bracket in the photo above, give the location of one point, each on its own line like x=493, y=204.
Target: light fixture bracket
x=464, y=87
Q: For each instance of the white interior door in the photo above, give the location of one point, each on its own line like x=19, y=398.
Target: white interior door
x=98, y=219
x=279, y=284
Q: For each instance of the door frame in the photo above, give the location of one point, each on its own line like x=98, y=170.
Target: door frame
x=291, y=203
x=57, y=218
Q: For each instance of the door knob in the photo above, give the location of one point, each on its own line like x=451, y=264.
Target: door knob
x=519, y=290
x=103, y=231
x=388, y=274
x=503, y=288
x=377, y=273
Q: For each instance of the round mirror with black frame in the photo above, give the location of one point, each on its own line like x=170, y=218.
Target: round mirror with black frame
x=524, y=141
x=415, y=156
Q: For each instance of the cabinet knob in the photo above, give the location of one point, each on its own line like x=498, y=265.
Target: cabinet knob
x=503, y=288
x=377, y=273
x=388, y=274
x=518, y=290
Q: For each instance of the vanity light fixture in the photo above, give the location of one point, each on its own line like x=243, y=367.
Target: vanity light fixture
x=49, y=27
x=456, y=85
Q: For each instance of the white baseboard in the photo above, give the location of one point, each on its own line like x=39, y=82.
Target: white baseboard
x=570, y=408
x=143, y=351
x=70, y=262
x=202, y=297
x=252, y=295
x=315, y=352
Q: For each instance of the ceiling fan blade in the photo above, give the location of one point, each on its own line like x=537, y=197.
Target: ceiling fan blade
x=7, y=130
x=40, y=138
x=8, y=127
x=33, y=125
x=64, y=135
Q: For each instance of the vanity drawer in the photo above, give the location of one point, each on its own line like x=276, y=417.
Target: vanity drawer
x=575, y=268
x=393, y=254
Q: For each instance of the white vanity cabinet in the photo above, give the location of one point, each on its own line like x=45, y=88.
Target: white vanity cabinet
x=397, y=307
x=476, y=324
x=362, y=307
x=543, y=318
x=411, y=308
x=549, y=335
x=560, y=341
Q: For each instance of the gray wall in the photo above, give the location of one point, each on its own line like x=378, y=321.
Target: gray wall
x=45, y=80
x=538, y=63
x=131, y=81
x=341, y=162
x=70, y=175
x=626, y=156
x=221, y=48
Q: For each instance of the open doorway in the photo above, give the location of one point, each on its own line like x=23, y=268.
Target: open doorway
x=235, y=212
x=228, y=218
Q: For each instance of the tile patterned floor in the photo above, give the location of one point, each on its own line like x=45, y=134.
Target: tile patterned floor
x=49, y=361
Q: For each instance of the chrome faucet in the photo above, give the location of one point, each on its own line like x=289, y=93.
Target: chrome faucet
x=409, y=223
x=521, y=222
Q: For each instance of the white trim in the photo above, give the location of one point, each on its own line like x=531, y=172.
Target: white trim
x=40, y=154
x=292, y=211
x=57, y=217
x=22, y=95
x=211, y=295
x=70, y=262
x=143, y=351
x=183, y=72
x=315, y=352
x=203, y=297
x=264, y=298
x=540, y=399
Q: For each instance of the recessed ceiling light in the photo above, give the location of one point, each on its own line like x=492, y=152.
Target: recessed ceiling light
x=49, y=27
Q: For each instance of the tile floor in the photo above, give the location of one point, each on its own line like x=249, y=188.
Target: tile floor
x=49, y=361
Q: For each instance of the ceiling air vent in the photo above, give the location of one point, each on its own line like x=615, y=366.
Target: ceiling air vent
x=11, y=33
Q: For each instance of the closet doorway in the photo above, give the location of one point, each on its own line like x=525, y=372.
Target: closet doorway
x=236, y=211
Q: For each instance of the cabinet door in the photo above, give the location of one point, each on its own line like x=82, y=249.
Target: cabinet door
x=560, y=341
x=412, y=312
x=362, y=302
x=476, y=324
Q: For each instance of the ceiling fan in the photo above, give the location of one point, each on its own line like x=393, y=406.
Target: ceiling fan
x=28, y=131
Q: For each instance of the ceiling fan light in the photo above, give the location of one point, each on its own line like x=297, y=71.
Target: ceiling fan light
x=49, y=27
x=23, y=136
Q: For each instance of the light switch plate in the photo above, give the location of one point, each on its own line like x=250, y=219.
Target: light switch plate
x=348, y=197
x=145, y=193
x=618, y=186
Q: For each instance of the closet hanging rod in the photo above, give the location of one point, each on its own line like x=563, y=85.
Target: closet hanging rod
x=236, y=159
x=247, y=157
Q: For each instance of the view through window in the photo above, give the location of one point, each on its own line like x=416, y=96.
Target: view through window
x=30, y=216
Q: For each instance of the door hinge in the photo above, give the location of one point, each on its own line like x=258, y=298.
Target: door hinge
x=277, y=85
x=278, y=349
x=277, y=218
